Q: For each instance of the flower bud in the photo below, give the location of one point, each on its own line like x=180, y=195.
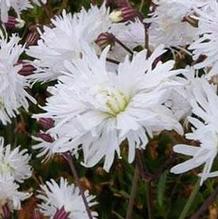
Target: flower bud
x=5, y=212
x=27, y=69
x=61, y=214
x=32, y=36
x=46, y=123
x=105, y=39
x=116, y=16
x=125, y=13
x=129, y=13
x=46, y=137
x=14, y=22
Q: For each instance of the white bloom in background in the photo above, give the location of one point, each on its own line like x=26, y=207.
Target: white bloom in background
x=131, y=34
x=9, y=194
x=14, y=162
x=176, y=101
x=99, y=109
x=205, y=130
x=63, y=40
x=56, y=196
x=16, y=5
x=12, y=90
x=168, y=26
x=207, y=43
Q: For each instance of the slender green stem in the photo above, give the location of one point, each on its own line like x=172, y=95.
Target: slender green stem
x=141, y=5
x=190, y=200
x=68, y=158
x=149, y=200
x=133, y=193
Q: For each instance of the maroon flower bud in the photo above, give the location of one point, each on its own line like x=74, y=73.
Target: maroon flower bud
x=6, y=213
x=46, y=123
x=46, y=137
x=129, y=13
x=124, y=14
x=61, y=214
x=32, y=38
x=14, y=22
x=27, y=68
x=105, y=39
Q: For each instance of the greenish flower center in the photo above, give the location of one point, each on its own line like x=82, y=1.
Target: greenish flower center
x=5, y=168
x=116, y=103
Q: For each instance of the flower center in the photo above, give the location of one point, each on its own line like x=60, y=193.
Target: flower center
x=116, y=102
x=5, y=168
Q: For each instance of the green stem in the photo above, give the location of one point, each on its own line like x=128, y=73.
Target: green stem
x=141, y=5
x=68, y=158
x=190, y=200
x=149, y=200
x=133, y=193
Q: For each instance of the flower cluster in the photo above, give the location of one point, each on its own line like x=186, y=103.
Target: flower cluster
x=13, y=94
x=96, y=106
x=114, y=80
x=14, y=169
x=64, y=199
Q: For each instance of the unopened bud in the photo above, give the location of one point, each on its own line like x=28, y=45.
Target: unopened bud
x=61, y=214
x=116, y=16
x=125, y=13
x=5, y=212
x=46, y=137
x=27, y=69
x=46, y=123
x=32, y=36
x=14, y=22
x=129, y=13
x=105, y=39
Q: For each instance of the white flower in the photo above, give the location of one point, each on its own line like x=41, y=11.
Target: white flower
x=17, y=5
x=63, y=40
x=12, y=90
x=207, y=43
x=56, y=196
x=131, y=34
x=205, y=131
x=9, y=193
x=99, y=109
x=176, y=101
x=167, y=22
x=14, y=162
